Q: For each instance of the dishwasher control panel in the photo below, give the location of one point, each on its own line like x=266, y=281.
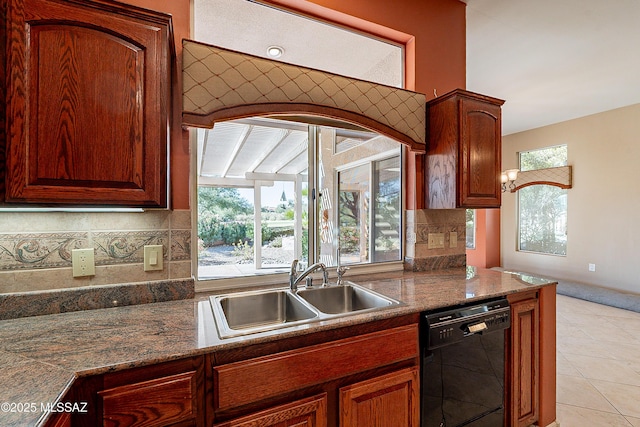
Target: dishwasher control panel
x=453, y=324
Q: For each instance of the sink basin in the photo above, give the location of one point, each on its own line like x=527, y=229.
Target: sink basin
x=251, y=312
x=344, y=299
x=243, y=313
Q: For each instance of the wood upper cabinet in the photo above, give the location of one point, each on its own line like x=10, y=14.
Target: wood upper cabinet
x=389, y=400
x=523, y=362
x=464, y=134
x=88, y=103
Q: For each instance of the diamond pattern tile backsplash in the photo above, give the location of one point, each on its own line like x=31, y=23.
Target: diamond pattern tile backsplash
x=35, y=248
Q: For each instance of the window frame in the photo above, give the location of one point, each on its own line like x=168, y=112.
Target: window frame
x=563, y=193
x=211, y=283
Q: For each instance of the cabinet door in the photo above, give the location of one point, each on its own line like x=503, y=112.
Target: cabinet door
x=311, y=412
x=88, y=103
x=480, y=154
x=465, y=149
x=166, y=401
x=162, y=395
x=523, y=362
x=389, y=400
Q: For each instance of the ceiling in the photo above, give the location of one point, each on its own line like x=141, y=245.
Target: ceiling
x=554, y=60
x=240, y=151
x=551, y=60
x=251, y=27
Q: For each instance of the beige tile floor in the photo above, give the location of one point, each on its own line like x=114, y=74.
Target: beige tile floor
x=598, y=365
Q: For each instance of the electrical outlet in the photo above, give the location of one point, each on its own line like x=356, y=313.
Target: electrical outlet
x=153, y=257
x=435, y=240
x=82, y=262
x=592, y=267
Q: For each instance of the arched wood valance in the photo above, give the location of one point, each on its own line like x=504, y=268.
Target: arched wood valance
x=557, y=177
x=220, y=84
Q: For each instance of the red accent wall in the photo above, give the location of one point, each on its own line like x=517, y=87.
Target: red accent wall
x=179, y=150
x=487, y=251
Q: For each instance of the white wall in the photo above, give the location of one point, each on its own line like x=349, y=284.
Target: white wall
x=603, y=205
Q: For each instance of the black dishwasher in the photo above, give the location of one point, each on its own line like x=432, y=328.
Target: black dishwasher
x=463, y=365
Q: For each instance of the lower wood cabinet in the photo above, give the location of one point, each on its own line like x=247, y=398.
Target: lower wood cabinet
x=168, y=394
x=168, y=400
x=311, y=412
x=360, y=376
x=364, y=380
x=523, y=362
x=388, y=400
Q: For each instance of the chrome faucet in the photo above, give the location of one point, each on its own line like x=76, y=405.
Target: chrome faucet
x=340, y=270
x=294, y=278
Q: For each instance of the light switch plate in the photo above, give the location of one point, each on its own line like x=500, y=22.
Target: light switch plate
x=453, y=239
x=153, y=257
x=83, y=262
x=435, y=241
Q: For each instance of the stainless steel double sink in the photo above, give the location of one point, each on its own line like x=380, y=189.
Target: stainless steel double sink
x=250, y=312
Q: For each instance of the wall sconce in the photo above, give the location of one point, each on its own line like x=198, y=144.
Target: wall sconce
x=510, y=176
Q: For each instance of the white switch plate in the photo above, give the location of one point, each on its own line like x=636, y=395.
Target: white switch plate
x=435, y=240
x=153, y=258
x=453, y=239
x=592, y=267
x=83, y=263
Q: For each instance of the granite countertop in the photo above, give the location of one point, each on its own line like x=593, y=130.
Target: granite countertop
x=41, y=356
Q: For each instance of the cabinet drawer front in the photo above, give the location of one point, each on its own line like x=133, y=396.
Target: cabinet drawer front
x=311, y=412
x=255, y=379
x=151, y=403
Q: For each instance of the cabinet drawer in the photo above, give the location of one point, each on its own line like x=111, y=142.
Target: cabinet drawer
x=170, y=399
x=251, y=380
x=310, y=412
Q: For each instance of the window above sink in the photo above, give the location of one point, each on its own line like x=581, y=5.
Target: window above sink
x=258, y=178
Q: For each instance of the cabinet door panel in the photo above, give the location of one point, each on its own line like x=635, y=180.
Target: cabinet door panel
x=524, y=362
x=89, y=95
x=481, y=156
x=80, y=74
x=389, y=400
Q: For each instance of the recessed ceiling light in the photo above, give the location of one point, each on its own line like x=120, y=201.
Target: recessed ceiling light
x=275, y=51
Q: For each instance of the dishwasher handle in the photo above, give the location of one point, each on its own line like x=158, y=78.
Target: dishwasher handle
x=475, y=328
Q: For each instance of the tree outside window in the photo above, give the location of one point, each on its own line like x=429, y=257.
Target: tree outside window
x=542, y=209
x=471, y=229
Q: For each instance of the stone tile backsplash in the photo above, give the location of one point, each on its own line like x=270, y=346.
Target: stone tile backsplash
x=121, y=247
x=35, y=248
x=39, y=250
x=420, y=223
